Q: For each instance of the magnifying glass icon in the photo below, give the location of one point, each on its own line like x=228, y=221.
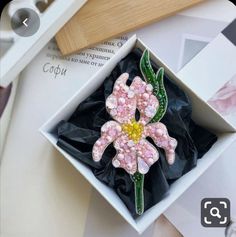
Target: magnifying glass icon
x=215, y=212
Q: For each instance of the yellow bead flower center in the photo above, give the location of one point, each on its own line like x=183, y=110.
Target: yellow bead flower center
x=134, y=130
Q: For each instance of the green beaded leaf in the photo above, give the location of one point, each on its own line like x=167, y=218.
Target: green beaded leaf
x=161, y=96
x=156, y=80
x=146, y=68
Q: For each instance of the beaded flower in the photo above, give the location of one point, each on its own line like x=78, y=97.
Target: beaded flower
x=136, y=110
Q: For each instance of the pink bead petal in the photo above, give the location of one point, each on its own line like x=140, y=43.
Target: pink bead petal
x=121, y=104
x=147, y=155
x=110, y=131
x=126, y=156
x=159, y=134
x=147, y=103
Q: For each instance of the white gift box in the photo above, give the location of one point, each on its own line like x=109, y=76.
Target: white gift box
x=202, y=114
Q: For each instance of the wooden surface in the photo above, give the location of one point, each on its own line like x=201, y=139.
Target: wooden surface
x=99, y=20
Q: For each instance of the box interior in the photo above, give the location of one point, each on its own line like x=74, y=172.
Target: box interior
x=203, y=115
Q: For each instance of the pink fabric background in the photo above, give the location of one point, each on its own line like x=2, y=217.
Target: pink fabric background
x=224, y=101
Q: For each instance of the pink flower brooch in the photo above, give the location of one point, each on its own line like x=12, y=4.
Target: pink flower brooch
x=134, y=153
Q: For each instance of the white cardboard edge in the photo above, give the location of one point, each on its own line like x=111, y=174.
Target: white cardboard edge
x=203, y=114
x=24, y=49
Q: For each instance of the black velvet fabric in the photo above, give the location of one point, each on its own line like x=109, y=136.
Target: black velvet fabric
x=77, y=136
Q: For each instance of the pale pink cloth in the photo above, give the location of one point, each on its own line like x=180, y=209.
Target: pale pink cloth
x=224, y=101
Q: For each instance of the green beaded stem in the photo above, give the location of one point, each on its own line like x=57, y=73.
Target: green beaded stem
x=138, y=180
x=156, y=80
